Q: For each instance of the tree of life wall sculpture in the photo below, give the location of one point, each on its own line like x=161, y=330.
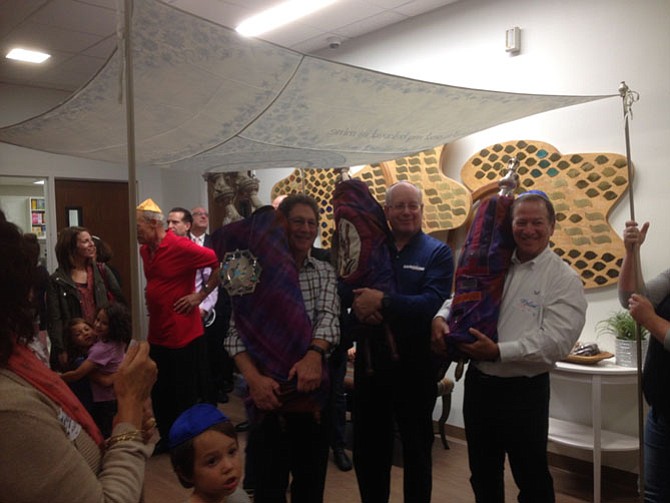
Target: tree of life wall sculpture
x=584, y=187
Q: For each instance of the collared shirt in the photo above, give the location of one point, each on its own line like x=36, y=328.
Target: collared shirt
x=202, y=277
x=542, y=314
x=170, y=274
x=424, y=271
x=199, y=240
x=319, y=290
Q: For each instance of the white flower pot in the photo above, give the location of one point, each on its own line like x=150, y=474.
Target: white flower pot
x=626, y=352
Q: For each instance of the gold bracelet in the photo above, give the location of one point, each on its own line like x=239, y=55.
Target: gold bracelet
x=135, y=435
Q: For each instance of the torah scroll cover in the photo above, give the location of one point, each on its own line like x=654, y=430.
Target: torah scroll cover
x=584, y=189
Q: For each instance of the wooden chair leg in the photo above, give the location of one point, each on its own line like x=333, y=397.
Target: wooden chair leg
x=444, y=388
x=446, y=409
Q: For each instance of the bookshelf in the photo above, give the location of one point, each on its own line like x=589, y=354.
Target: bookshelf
x=37, y=215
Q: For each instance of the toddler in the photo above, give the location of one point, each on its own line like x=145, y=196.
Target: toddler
x=80, y=338
x=113, y=329
x=205, y=455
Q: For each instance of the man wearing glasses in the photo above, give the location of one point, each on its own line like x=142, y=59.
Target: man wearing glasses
x=399, y=391
x=285, y=362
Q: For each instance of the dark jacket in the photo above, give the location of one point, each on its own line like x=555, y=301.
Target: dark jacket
x=64, y=303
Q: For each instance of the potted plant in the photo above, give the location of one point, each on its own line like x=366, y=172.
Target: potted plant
x=622, y=326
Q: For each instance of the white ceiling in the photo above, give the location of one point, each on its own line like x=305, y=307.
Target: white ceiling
x=80, y=34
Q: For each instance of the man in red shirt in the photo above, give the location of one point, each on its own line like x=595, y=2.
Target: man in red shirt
x=175, y=329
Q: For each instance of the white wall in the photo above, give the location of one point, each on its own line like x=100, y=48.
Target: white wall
x=568, y=47
x=15, y=203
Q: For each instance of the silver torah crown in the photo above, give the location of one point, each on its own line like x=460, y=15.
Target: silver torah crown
x=510, y=181
x=240, y=272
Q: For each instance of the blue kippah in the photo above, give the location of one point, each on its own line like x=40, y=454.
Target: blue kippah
x=192, y=422
x=534, y=192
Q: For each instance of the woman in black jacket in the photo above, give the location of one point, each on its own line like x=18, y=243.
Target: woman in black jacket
x=78, y=288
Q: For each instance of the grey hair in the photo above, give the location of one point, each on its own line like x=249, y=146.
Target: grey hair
x=389, y=192
x=150, y=215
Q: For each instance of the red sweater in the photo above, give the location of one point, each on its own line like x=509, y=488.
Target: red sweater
x=170, y=275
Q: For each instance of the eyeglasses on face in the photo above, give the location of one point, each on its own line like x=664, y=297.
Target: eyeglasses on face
x=300, y=222
x=404, y=206
x=200, y=214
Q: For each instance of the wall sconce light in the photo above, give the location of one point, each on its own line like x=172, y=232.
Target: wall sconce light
x=513, y=40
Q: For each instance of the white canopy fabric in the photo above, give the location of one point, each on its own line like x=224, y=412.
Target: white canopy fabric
x=207, y=99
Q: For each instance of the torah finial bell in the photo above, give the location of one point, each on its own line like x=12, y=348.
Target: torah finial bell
x=510, y=181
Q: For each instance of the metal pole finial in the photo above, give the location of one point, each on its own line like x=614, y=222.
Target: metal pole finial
x=623, y=88
x=629, y=97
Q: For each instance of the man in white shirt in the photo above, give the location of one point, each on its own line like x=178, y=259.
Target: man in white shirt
x=506, y=402
x=215, y=311
x=197, y=232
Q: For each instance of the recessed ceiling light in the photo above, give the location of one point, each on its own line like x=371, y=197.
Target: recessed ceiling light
x=279, y=15
x=28, y=56
x=38, y=182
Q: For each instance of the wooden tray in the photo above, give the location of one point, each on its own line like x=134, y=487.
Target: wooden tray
x=588, y=360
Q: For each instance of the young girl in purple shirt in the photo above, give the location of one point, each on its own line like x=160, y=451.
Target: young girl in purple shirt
x=112, y=326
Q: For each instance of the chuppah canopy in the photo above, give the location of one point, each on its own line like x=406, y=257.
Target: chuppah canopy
x=207, y=99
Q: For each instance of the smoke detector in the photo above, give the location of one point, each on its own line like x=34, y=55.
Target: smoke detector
x=334, y=42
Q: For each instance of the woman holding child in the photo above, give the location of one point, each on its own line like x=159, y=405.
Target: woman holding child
x=77, y=289
x=50, y=448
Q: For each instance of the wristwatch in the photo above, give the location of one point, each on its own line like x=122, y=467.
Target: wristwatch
x=318, y=349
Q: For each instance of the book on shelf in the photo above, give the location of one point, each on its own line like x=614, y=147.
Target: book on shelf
x=37, y=203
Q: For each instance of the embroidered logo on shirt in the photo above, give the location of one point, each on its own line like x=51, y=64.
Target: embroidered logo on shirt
x=72, y=428
x=414, y=267
x=528, y=306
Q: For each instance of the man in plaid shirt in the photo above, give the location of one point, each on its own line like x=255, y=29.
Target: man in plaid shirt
x=289, y=434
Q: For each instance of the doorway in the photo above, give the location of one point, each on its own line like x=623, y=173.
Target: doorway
x=22, y=200
x=101, y=207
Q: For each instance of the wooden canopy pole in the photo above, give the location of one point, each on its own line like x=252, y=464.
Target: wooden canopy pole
x=628, y=98
x=136, y=298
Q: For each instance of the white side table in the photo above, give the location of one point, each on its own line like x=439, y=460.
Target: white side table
x=593, y=438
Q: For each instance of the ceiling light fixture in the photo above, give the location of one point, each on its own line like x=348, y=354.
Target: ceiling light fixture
x=28, y=56
x=38, y=182
x=279, y=15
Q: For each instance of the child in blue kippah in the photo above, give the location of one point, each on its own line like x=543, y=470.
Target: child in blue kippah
x=205, y=455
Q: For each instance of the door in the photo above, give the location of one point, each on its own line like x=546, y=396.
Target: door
x=101, y=207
